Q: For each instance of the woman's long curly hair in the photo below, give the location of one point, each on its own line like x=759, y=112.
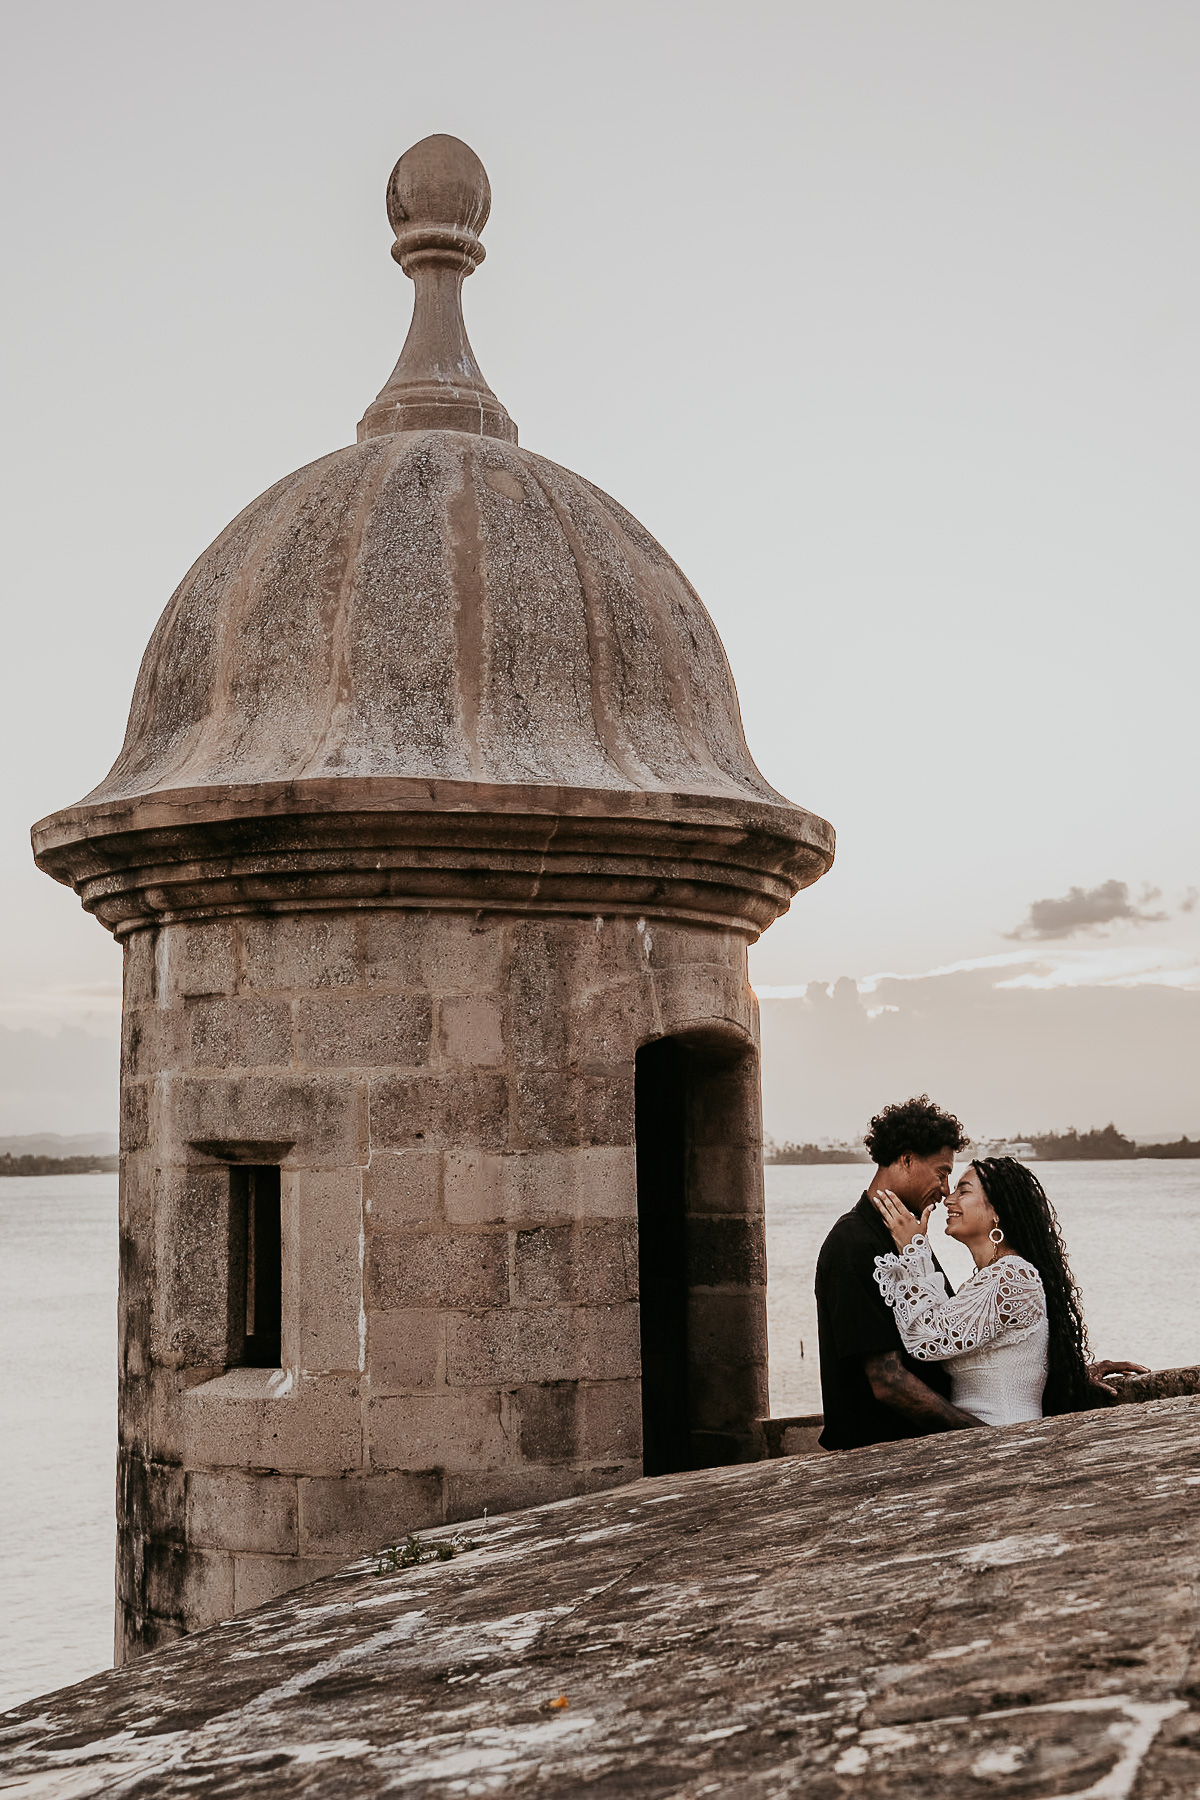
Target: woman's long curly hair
x=1030, y=1226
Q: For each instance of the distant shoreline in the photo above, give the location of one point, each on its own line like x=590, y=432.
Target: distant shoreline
x=1106, y=1145
x=58, y=1165
x=838, y=1160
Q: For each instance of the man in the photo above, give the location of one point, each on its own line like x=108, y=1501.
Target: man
x=873, y=1392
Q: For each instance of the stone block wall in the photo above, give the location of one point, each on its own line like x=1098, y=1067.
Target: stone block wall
x=450, y=1099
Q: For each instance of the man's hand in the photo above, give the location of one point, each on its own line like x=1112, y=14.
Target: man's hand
x=908, y=1395
x=1098, y=1370
x=898, y=1219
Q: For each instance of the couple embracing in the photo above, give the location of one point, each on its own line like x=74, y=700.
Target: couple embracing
x=901, y=1353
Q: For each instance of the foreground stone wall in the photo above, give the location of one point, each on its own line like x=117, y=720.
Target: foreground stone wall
x=988, y=1613
x=450, y=1098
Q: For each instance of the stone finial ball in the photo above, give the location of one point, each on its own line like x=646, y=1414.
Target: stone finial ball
x=440, y=181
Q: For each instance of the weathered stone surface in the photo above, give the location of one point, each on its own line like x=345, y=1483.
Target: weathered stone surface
x=259, y=1579
x=538, y=1187
x=414, y=1269
x=282, y=954
x=186, y=1588
x=406, y=1349
x=453, y=1431
x=199, y=962
x=339, y=1516
x=223, y=1033
x=242, y=1512
x=994, y=1613
x=323, y=1280
x=584, y=1264
x=191, y=1317
x=321, y=1118
x=402, y=1187
x=611, y=1413
x=472, y=1030
x=267, y=1419
x=529, y=1484
x=796, y=1436
x=590, y=1109
x=546, y=1343
x=364, y=1030
x=439, y=1111
x=1159, y=1384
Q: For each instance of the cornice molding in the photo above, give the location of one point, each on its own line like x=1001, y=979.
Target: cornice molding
x=193, y=854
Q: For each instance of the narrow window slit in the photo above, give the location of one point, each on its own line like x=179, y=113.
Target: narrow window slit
x=257, y=1258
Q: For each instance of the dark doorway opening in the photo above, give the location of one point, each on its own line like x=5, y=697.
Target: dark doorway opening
x=256, y=1266
x=660, y=1125
x=701, y=1251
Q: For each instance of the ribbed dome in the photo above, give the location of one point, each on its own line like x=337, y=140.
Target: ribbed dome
x=433, y=668
x=435, y=605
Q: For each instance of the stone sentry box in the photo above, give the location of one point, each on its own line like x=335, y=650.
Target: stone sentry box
x=435, y=849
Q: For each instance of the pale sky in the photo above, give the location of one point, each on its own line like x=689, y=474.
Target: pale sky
x=882, y=316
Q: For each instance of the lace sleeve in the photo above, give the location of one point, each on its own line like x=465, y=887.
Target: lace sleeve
x=1004, y=1299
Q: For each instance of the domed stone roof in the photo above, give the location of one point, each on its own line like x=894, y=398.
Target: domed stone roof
x=433, y=605
x=431, y=621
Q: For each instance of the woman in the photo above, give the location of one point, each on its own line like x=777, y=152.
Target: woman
x=1013, y=1337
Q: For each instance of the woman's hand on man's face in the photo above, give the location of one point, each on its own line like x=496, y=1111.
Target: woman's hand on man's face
x=898, y=1219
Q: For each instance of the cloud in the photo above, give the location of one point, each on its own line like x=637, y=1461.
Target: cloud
x=1008, y=1050
x=1101, y=965
x=1088, y=909
x=1188, y=903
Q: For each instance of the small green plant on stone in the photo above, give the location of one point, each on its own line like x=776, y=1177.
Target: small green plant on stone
x=416, y=1550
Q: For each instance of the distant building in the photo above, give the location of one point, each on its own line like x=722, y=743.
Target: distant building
x=1018, y=1147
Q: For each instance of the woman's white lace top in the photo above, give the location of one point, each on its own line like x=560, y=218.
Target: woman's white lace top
x=992, y=1335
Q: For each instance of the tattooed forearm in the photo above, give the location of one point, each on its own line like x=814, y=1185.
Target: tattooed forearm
x=907, y=1394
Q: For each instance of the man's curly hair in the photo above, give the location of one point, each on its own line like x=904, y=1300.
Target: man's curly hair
x=913, y=1128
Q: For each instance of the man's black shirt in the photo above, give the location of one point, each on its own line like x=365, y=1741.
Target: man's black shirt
x=854, y=1321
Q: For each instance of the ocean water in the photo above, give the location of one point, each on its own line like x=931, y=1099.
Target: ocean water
x=1133, y=1230
x=58, y=1429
